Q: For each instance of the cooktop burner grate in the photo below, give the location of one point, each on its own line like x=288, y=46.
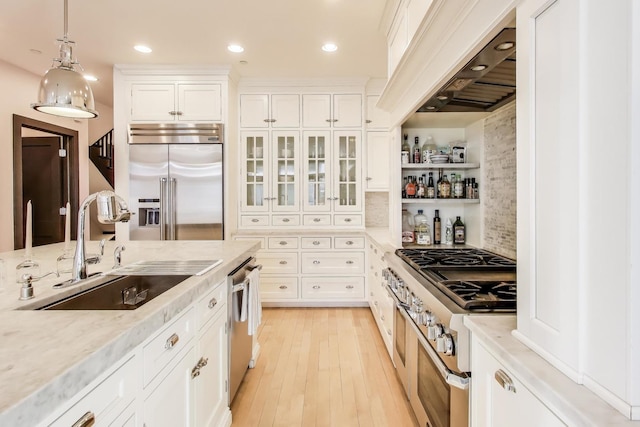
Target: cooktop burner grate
x=480, y=294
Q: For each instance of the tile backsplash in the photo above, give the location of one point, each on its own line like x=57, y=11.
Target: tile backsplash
x=376, y=207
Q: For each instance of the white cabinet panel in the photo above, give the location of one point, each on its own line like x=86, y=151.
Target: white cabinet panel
x=316, y=111
x=377, y=171
x=332, y=263
x=283, y=243
x=263, y=111
x=285, y=111
x=349, y=288
x=199, y=102
x=325, y=110
x=347, y=111
x=254, y=111
x=278, y=262
x=376, y=117
x=275, y=288
x=152, y=102
x=171, y=102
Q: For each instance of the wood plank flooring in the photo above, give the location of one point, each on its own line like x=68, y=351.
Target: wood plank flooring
x=321, y=367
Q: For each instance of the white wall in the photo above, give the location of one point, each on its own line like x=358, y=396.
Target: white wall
x=20, y=90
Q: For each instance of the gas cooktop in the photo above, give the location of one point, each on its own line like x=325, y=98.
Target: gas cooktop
x=474, y=279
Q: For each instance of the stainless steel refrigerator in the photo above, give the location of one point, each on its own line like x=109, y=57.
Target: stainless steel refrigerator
x=176, y=181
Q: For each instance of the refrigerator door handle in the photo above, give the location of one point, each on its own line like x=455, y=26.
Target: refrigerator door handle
x=163, y=208
x=172, y=213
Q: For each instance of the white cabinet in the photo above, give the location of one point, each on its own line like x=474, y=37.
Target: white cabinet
x=270, y=174
x=264, y=110
x=499, y=399
x=377, y=170
x=380, y=301
x=332, y=171
x=176, y=101
x=376, y=117
x=326, y=110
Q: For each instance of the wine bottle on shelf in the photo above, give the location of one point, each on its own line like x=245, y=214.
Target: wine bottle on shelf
x=420, y=191
x=416, y=151
x=411, y=188
x=439, y=188
x=437, y=228
x=458, y=232
x=445, y=188
x=404, y=188
x=431, y=190
x=405, y=150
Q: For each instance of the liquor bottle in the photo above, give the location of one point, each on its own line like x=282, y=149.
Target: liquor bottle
x=428, y=148
x=420, y=192
x=445, y=188
x=431, y=190
x=416, y=151
x=411, y=188
x=439, y=188
x=437, y=228
x=422, y=232
x=458, y=188
x=448, y=232
x=458, y=232
x=407, y=227
x=406, y=150
x=404, y=188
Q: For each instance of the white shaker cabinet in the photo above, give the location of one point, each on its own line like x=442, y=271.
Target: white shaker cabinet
x=498, y=399
x=337, y=111
x=378, y=161
x=176, y=102
x=264, y=111
x=376, y=117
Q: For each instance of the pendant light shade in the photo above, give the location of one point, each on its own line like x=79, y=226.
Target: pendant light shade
x=64, y=91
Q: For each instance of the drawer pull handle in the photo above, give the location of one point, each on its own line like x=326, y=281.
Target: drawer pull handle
x=283, y=262
x=285, y=220
x=347, y=220
x=213, y=302
x=171, y=341
x=316, y=262
x=328, y=120
x=316, y=286
x=382, y=317
x=389, y=332
x=202, y=362
x=375, y=302
x=87, y=420
x=316, y=220
x=367, y=121
x=315, y=242
x=283, y=287
x=195, y=372
x=255, y=220
x=349, y=262
x=504, y=380
x=351, y=287
x=283, y=243
x=349, y=242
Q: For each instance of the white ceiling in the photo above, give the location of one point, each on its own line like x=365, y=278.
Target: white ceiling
x=282, y=38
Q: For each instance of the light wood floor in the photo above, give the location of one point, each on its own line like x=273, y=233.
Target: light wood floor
x=321, y=367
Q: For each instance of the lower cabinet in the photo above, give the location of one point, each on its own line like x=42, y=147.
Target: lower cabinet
x=380, y=302
x=499, y=399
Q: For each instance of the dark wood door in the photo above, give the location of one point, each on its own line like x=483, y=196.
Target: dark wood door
x=43, y=184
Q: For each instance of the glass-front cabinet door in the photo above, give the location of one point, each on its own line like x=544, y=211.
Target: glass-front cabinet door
x=284, y=181
x=347, y=179
x=317, y=174
x=255, y=190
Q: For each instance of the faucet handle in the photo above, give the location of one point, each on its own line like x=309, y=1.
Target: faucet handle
x=26, y=291
x=101, y=246
x=117, y=255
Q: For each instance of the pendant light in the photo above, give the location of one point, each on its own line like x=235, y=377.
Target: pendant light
x=63, y=90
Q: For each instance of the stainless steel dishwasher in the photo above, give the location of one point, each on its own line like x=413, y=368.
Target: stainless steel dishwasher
x=240, y=342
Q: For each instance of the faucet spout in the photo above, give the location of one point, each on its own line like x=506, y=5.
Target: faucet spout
x=111, y=209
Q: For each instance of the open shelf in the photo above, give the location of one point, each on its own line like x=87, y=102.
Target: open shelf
x=440, y=201
x=441, y=166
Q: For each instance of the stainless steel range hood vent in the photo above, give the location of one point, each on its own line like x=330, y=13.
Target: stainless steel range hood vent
x=485, y=83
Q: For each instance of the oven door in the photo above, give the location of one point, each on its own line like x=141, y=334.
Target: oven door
x=401, y=331
x=440, y=398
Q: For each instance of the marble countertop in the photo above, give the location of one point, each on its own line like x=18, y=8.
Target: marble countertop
x=573, y=403
x=46, y=357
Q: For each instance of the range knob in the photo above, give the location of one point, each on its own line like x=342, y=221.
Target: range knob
x=428, y=318
x=444, y=344
x=416, y=309
x=433, y=332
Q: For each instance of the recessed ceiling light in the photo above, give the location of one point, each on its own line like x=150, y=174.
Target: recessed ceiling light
x=430, y=107
x=442, y=97
x=90, y=78
x=235, y=48
x=329, y=47
x=142, y=49
x=505, y=46
x=479, y=67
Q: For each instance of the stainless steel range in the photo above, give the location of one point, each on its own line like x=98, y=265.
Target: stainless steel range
x=434, y=289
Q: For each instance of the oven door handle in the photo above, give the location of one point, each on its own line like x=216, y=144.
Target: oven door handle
x=454, y=379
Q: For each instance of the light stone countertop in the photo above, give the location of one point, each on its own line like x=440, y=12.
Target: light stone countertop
x=46, y=357
x=573, y=403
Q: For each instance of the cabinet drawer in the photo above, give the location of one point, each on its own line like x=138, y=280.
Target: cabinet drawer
x=106, y=400
x=333, y=263
x=211, y=304
x=255, y=239
x=278, y=262
x=316, y=243
x=278, y=288
x=346, y=219
x=333, y=287
x=316, y=219
x=285, y=220
x=254, y=220
x=283, y=243
x=349, y=242
x=158, y=352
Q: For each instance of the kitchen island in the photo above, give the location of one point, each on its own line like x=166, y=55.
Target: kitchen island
x=47, y=357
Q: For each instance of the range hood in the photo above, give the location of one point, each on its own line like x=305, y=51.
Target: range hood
x=484, y=84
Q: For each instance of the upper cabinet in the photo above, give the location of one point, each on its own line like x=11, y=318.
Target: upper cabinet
x=376, y=117
x=264, y=111
x=327, y=111
x=176, y=102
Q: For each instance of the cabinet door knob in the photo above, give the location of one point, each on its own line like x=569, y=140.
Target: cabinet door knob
x=195, y=372
x=255, y=220
x=171, y=341
x=349, y=242
x=283, y=287
x=389, y=332
x=316, y=286
x=179, y=113
x=283, y=243
x=173, y=113
x=316, y=220
x=334, y=120
x=267, y=120
x=283, y=262
x=349, y=286
x=347, y=220
x=285, y=220
x=328, y=120
x=87, y=420
x=213, y=302
x=349, y=262
x=504, y=380
x=367, y=121
x=315, y=242
x=316, y=262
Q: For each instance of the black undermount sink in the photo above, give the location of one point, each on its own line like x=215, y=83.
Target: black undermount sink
x=118, y=293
